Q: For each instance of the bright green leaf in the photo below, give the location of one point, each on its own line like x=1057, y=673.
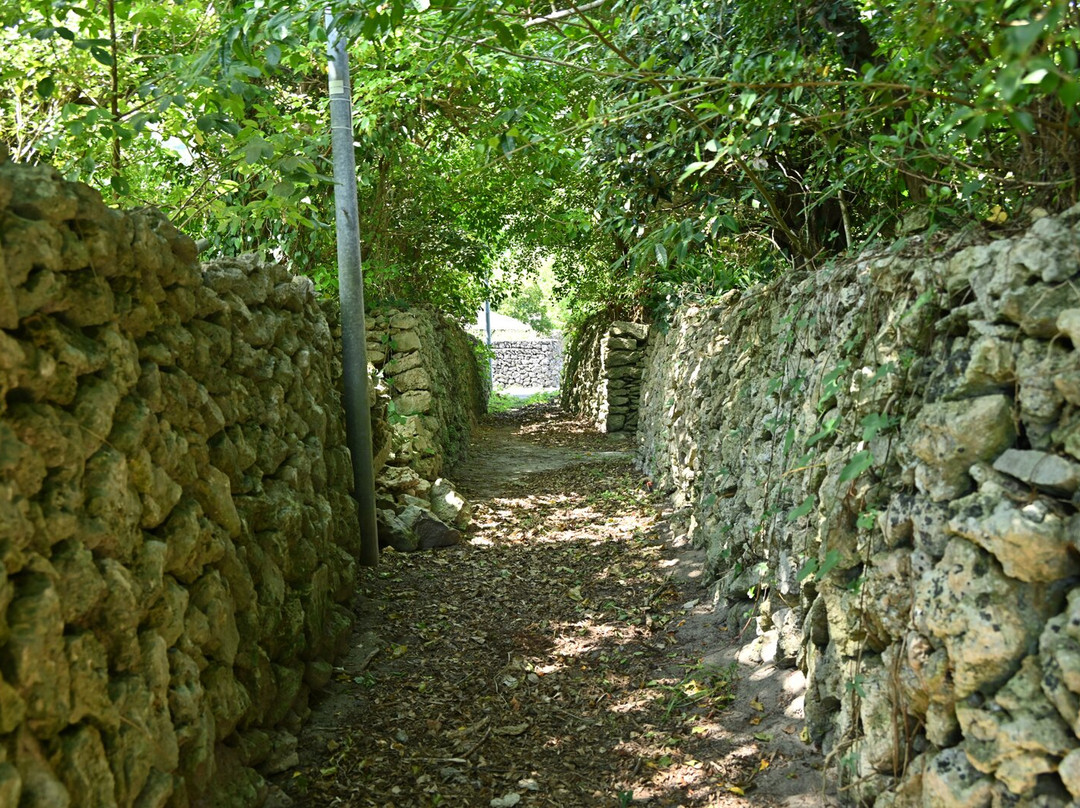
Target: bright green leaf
x=46, y=87
x=856, y=466
x=808, y=568
x=803, y=509
x=832, y=558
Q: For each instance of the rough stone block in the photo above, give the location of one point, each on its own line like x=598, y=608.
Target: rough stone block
x=405, y=341
x=12, y=708
x=400, y=364
x=950, y=781
x=415, y=379
x=10, y=784
x=35, y=653
x=395, y=533
x=404, y=321
x=214, y=493
x=1029, y=541
x=1068, y=323
x=432, y=533
x=41, y=788
x=414, y=402
x=613, y=343
x=112, y=499
x=81, y=763
x=1059, y=658
x=622, y=372
x=1069, y=770
x=1036, y=308
x=1019, y=736
x=1047, y=472
x=449, y=506
x=639, y=331
x=9, y=309
x=616, y=359
x=211, y=618
x=81, y=585
x=157, y=791
x=226, y=697
x=986, y=620
x=88, y=662
x=120, y=615
x=949, y=437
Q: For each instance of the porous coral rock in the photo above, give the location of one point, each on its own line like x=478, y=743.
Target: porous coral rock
x=949, y=436
x=986, y=620
x=1018, y=735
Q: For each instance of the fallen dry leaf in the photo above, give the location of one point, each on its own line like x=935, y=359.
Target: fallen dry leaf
x=502, y=683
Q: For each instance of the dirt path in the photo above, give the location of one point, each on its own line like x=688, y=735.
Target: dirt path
x=565, y=656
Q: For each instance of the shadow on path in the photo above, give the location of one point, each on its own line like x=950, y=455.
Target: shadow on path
x=567, y=655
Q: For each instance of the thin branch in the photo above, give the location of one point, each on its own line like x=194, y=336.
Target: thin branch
x=114, y=99
x=566, y=12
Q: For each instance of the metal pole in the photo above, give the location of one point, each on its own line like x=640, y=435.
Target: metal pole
x=487, y=328
x=351, y=294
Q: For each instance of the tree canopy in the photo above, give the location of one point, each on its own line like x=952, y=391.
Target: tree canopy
x=647, y=151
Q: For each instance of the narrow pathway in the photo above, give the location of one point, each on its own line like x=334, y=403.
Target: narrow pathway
x=564, y=656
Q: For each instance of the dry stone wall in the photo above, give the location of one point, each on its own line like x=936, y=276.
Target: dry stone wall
x=527, y=363
x=176, y=530
x=603, y=373
x=430, y=396
x=882, y=460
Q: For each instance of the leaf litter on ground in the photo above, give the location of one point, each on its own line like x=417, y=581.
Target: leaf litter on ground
x=534, y=665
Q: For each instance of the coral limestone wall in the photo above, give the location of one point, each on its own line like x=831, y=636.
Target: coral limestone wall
x=527, y=363
x=434, y=385
x=603, y=373
x=883, y=459
x=175, y=526
x=431, y=394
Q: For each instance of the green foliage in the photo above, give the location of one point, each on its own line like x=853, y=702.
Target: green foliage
x=501, y=402
x=764, y=135
x=654, y=152
x=856, y=466
x=529, y=304
x=533, y=300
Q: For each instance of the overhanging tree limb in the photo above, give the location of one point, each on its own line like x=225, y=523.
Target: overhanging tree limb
x=770, y=201
x=566, y=12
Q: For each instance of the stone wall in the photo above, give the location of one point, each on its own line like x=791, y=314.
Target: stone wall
x=434, y=383
x=431, y=394
x=603, y=373
x=881, y=460
x=527, y=363
x=176, y=530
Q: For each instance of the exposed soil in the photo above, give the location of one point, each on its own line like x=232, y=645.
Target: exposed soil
x=566, y=655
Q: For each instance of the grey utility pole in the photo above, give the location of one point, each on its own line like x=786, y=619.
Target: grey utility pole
x=351, y=291
x=487, y=330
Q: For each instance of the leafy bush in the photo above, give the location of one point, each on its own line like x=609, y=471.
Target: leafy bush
x=502, y=402
x=652, y=150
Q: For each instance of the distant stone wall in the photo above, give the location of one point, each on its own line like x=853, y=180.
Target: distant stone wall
x=527, y=363
x=176, y=530
x=881, y=459
x=603, y=373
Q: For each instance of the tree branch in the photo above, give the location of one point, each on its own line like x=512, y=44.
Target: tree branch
x=566, y=12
